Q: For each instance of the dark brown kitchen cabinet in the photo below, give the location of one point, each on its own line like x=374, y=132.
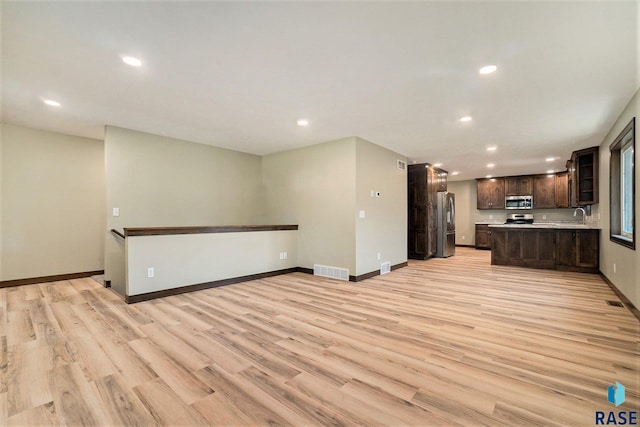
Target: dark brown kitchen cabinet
x=441, y=179
x=534, y=248
x=583, y=176
x=544, y=191
x=423, y=206
x=578, y=250
x=483, y=236
x=562, y=190
x=548, y=248
x=490, y=193
x=518, y=185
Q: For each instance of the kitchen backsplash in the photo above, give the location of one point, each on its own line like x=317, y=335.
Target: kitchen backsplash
x=539, y=215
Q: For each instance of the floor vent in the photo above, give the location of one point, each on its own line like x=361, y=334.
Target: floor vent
x=332, y=272
x=615, y=303
x=385, y=268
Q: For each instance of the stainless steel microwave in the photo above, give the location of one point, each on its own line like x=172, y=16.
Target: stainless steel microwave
x=518, y=202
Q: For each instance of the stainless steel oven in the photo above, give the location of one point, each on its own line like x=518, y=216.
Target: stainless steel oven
x=518, y=202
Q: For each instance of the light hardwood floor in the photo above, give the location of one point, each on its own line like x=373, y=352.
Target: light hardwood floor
x=441, y=342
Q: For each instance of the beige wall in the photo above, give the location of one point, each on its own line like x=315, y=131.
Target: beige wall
x=1, y=195
x=467, y=214
x=315, y=187
x=160, y=181
x=627, y=261
x=384, y=228
x=189, y=259
x=52, y=212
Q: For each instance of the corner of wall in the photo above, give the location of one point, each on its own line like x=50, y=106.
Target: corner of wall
x=381, y=193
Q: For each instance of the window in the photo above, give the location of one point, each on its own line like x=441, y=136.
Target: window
x=622, y=188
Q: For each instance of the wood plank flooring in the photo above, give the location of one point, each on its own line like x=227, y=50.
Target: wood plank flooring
x=441, y=342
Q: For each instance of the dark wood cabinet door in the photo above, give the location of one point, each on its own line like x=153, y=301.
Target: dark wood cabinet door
x=566, y=248
x=483, y=236
x=587, y=251
x=432, y=235
x=499, y=247
x=562, y=190
x=544, y=192
x=518, y=186
x=423, y=205
x=497, y=191
x=484, y=194
x=512, y=186
x=515, y=247
x=546, y=257
x=490, y=193
x=417, y=215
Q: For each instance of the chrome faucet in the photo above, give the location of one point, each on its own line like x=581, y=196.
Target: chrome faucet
x=584, y=213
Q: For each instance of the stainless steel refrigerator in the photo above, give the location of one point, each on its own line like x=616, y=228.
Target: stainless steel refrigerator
x=446, y=224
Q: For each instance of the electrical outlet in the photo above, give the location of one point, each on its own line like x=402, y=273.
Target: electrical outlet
x=362, y=214
x=544, y=217
x=462, y=237
x=116, y=211
x=285, y=255
x=614, y=269
x=379, y=256
x=151, y=272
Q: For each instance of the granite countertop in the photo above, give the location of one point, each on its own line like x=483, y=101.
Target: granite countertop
x=556, y=225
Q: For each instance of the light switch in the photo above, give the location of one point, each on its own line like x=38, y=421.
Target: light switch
x=116, y=211
x=361, y=214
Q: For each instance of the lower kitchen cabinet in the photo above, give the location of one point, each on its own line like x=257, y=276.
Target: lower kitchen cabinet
x=483, y=236
x=578, y=250
x=523, y=247
x=547, y=248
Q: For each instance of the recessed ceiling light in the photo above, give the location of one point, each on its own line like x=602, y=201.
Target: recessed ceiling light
x=492, y=148
x=488, y=69
x=437, y=165
x=302, y=122
x=130, y=60
x=490, y=165
x=550, y=159
x=51, y=102
x=455, y=173
x=488, y=176
x=466, y=119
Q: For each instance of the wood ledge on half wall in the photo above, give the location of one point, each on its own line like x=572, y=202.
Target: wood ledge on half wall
x=164, y=231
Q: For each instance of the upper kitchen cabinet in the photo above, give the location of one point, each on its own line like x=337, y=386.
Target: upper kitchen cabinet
x=491, y=193
x=441, y=179
x=518, y=185
x=562, y=190
x=583, y=177
x=544, y=191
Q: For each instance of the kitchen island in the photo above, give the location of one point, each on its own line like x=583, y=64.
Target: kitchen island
x=554, y=246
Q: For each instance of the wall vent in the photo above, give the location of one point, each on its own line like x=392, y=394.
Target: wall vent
x=385, y=268
x=401, y=164
x=332, y=272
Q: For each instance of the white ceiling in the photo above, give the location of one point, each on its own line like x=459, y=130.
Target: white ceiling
x=239, y=75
